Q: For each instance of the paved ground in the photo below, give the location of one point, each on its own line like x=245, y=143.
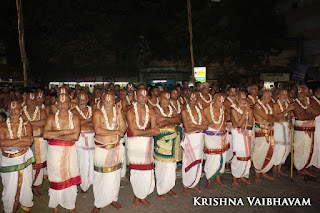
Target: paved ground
x=281, y=187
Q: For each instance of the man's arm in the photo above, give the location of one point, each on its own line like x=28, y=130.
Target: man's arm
x=48, y=133
x=298, y=113
x=260, y=112
x=278, y=113
x=100, y=130
x=42, y=121
x=75, y=133
x=138, y=132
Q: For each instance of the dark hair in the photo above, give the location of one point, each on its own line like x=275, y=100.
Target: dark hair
x=3, y=115
x=54, y=94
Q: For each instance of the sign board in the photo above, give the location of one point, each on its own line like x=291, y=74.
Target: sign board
x=299, y=72
x=275, y=77
x=200, y=74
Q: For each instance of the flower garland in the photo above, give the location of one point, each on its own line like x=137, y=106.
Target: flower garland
x=221, y=116
x=98, y=105
x=137, y=116
x=162, y=112
x=114, y=119
x=71, y=125
x=128, y=100
x=34, y=113
x=179, y=107
x=43, y=106
x=210, y=98
x=153, y=103
x=281, y=107
x=200, y=105
x=89, y=113
x=302, y=106
x=240, y=111
x=265, y=108
x=231, y=101
x=273, y=100
x=253, y=101
x=19, y=128
x=191, y=116
x=316, y=99
x=181, y=99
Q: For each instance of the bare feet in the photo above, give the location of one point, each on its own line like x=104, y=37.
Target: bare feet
x=307, y=172
x=209, y=185
x=275, y=171
x=161, y=197
x=196, y=189
x=257, y=177
x=267, y=176
x=117, y=205
x=282, y=173
x=72, y=211
x=185, y=191
x=217, y=180
x=56, y=210
x=148, y=204
x=36, y=192
x=247, y=181
x=124, y=179
x=136, y=201
x=95, y=210
x=173, y=194
x=235, y=182
x=300, y=175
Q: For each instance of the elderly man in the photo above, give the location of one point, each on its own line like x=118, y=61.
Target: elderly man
x=109, y=126
x=17, y=157
x=205, y=97
x=142, y=127
x=62, y=130
x=253, y=91
x=242, y=122
x=215, y=141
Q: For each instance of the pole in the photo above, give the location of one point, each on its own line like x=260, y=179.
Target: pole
x=21, y=41
x=291, y=152
x=191, y=37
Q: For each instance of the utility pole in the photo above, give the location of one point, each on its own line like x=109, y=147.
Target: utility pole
x=191, y=37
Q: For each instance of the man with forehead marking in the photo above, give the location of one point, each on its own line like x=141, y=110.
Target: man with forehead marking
x=168, y=139
x=16, y=159
x=215, y=141
x=193, y=142
x=282, y=140
x=37, y=118
x=205, y=97
x=109, y=126
x=141, y=127
x=85, y=144
x=62, y=130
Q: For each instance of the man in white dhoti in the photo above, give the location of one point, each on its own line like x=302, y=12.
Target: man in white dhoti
x=242, y=122
x=167, y=150
x=85, y=144
x=40, y=146
x=215, y=141
x=263, y=153
x=142, y=127
x=315, y=100
x=109, y=126
x=62, y=130
x=16, y=161
x=304, y=144
x=192, y=144
x=282, y=137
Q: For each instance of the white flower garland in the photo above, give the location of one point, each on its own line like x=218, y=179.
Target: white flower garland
x=19, y=128
x=71, y=125
x=249, y=96
x=43, y=106
x=153, y=103
x=302, y=106
x=316, y=99
x=162, y=112
x=181, y=98
x=200, y=105
x=221, y=116
x=191, y=116
x=281, y=107
x=137, y=116
x=114, y=119
x=210, y=98
x=179, y=107
x=98, y=105
x=230, y=100
x=34, y=113
x=273, y=100
x=89, y=113
x=128, y=100
x=240, y=111
x=265, y=108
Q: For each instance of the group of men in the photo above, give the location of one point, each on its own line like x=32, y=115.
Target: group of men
x=78, y=139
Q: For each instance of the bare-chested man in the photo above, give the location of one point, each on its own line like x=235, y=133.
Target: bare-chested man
x=109, y=126
x=17, y=157
x=37, y=118
x=205, y=97
x=129, y=98
x=85, y=144
x=242, y=122
x=193, y=142
x=315, y=100
x=95, y=99
x=53, y=108
x=154, y=97
x=62, y=130
x=215, y=141
x=304, y=144
x=142, y=127
x=282, y=136
x=263, y=153
x=40, y=100
x=174, y=101
x=253, y=91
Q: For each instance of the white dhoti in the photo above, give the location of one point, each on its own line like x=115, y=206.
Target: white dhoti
x=140, y=156
x=16, y=175
x=165, y=176
x=281, y=142
x=263, y=154
x=229, y=152
x=317, y=141
x=108, y=160
x=85, y=148
x=123, y=142
x=63, y=173
x=304, y=145
x=215, y=152
x=192, y=145
x=241, y=163
x=40, y=149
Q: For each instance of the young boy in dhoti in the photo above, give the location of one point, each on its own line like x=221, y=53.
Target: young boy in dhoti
x=167, y=150
x=215, y=141
x=16, y=161
x=192, y=144
x=62, y=130
x=85, y=144
x=141, y=127
x=242, y=121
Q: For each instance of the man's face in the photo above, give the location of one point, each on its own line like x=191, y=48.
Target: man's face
x=205, y=89
x=267, y=97
x=31, y=100
x=39, y=98
x=122, y=94
x=156, y=92
x=83, y=100
x=254, y=90
x=242, y=99
x=187, y=93
x=197, y=87
x=218, y=101
x=63, y=102
x=17, y=94
x=130, y=88
x=53, y=99
x=193, y=100
x=108, y=100
x=62, y=90
x=165, y=99
x=97, y=93
x=174, y=94
x=232, y=93
x=185, y=84
x=142, y=96
x=283, y=95
x=14, y=109
x=303, y=91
